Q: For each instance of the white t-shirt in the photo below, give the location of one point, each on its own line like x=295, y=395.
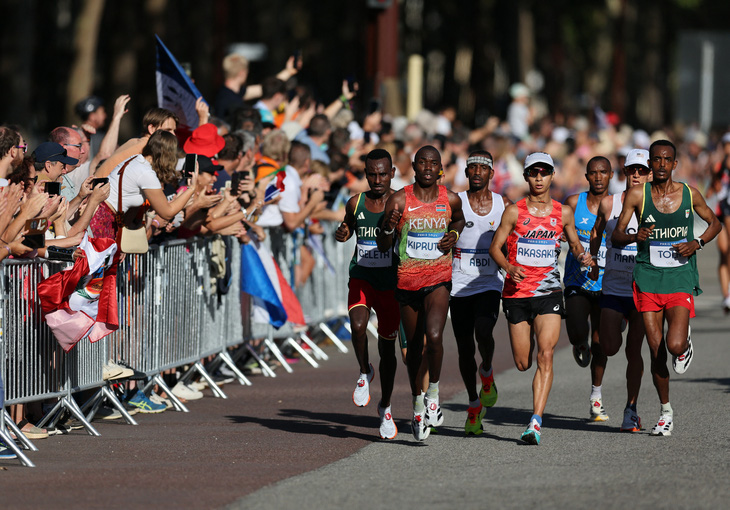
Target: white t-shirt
x=138, y=176
x=292, y=193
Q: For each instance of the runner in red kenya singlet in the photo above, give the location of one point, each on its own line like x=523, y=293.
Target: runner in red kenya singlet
x=428, y=220
x=532, y=297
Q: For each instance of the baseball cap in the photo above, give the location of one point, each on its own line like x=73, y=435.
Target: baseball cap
x=637, y=157
x=205, y=164
x=539, y=158
x=205, y=140
x=52, y=151
x=88, y=105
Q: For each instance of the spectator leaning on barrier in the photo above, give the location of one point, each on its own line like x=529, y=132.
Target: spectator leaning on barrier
x=143, y=178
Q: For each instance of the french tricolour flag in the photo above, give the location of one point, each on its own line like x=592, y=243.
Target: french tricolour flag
x=175, y=90
x=274, y=300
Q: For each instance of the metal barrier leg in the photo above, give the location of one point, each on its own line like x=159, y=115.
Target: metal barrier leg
x=27, y=443
x=51, y=418
x=112, y=398
x=22, y=457
x=179, y=406
x=302, y=352
x=69, y=403
x=371, y=328
x=318, y=353
x=273, y=347
x=205, y=375
x=265, y=369
x=330, y=334
x=228, y=361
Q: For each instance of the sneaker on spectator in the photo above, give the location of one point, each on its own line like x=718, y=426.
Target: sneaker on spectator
x=227, y=372
x=186, y=391
x=197, y=385
x=160, y=400
x=221, y=379
x=136, y=374
x=69, y=423
x=6, y=453
x=107, y=413
x=53, y=431
x=112, y=371
x=144, y=404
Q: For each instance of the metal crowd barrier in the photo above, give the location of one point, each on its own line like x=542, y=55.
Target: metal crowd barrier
x=170, y=315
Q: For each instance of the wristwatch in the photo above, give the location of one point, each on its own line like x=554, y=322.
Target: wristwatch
x=700, y=242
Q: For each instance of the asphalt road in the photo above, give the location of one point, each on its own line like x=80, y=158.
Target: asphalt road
x=297, y=441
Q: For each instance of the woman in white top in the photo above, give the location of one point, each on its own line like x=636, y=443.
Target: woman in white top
x=142, y=180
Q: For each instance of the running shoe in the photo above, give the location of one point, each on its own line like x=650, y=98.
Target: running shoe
x=680, y=363
x=388, y=430
x=361, y=395
x=419, y=427
x=532, y=434
x=664, y=426
x=582, y=354
x=6, y=453
x=488, y=393
x=632, y=422
x=144, y=404
x=434, y=417
x=473, y=425
x=597, y=411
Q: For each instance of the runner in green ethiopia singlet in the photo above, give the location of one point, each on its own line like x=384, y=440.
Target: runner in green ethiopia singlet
x=367, y=262
x=659, y=268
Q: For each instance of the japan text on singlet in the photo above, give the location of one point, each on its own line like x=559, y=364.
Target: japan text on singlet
x=420, y=229
x=473, y=270
x=620, y=261
x=534, y=245
x=369, y=263
x=659, y=268
x=574, y=276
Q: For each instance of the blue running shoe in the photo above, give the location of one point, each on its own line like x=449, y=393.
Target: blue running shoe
x=532, y=434
x=6, y=453
x=144, y=404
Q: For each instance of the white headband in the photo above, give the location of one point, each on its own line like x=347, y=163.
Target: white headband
x=479, y=160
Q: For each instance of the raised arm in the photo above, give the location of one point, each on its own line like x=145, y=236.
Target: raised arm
x=109, y=142
x=347, y=227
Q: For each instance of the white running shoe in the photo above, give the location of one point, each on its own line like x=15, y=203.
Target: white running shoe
x=664, y=426
x=419, y=427
x=632, y=422
x=361, y=395
x=181, y=390
x=434, y=416
x=680, y=363
x=388, y=430
x=597, y=411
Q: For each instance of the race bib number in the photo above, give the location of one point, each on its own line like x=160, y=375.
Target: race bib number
x=661, y=254
x=601, y=257
x=477, y=262
x=624, y=259
x=368, y=255
x=536, y=252
x=423, y=245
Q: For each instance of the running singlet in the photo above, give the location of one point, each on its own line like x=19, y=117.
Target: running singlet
x=473, y=270
x=420, y=229
x=584, y=220
x=534, y=245
x=659, y=268
x=619, y=275
x=368, y=263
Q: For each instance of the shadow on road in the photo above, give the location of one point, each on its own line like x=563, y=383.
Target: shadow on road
x=719, y=381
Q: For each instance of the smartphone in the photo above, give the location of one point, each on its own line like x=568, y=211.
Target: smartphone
x=374, y=106
x=297, y=55
x=351, y=82
x=189, y=167
x=35, y=236
x=236, y=180
x=53, y=188
x=56, y=253
x=99, y=181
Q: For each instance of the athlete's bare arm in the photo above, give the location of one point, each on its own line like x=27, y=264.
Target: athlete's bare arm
x=572, y=237
x=599, y=227
x=713, y=228
x=393, y=210
x=457, y=224
x=507, y=201
x=506, y=226
x=572, y=201
x=632, y=205
x=347, y=227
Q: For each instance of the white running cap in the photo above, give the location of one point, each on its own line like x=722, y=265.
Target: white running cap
x=637, y=157
x=539, y=157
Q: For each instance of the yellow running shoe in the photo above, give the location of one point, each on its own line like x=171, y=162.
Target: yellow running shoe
x=473, y=425
x=488, y=393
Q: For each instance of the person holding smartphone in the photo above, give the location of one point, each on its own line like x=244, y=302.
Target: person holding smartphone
x=142, y=180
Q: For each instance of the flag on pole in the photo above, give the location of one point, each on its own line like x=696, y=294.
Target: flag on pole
x=175, y=90
x=274, y=300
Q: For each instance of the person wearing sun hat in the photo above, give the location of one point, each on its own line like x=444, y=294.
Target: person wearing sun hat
x=205, y=141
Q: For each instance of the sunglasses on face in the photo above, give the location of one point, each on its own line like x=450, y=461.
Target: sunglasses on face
x=77, y=145
x=24, y=148
x=631, y=170
x=536, y=170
